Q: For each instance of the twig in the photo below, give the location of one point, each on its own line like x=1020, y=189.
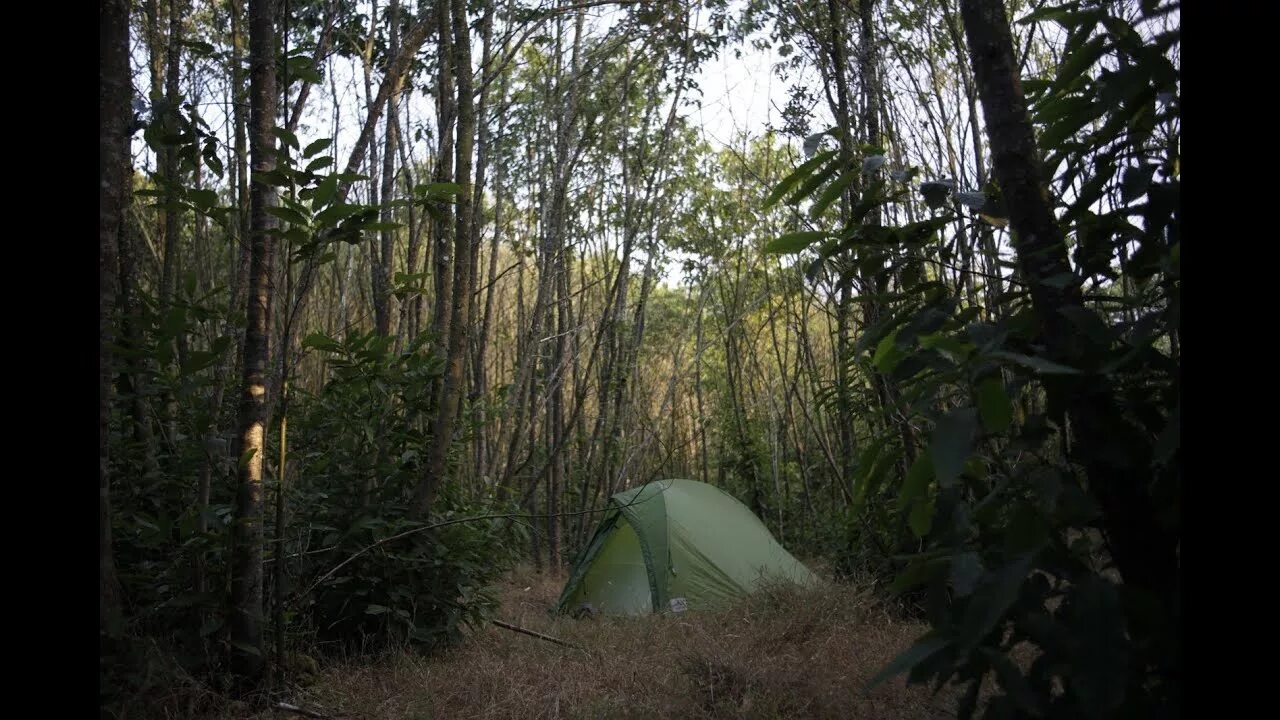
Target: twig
x=300, y=711
x=538, y=635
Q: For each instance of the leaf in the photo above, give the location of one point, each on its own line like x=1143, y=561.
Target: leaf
x=917, y=480
x=796, y=177
x=935, y=192
x=325, y=190
x=918, y=572
x=794, y=242
x=813, y=183
x=1039, y=364
x=812, y=142
x=920, y=520
x=334, y=213
x=952, y=441
x=317, y=146
x=994, y=405
x=380, y=226
x=832, y=193
x=319, y=163
x=203, y=198
x=289, y=138
x=1135, y=182
x=213, y=162
x=321, y=342
x=924, y=648
x=376, y=609
x=989, y=603
x=887, y=354
x=289, y=215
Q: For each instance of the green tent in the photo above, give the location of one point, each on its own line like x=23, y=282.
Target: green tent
x=672, y=545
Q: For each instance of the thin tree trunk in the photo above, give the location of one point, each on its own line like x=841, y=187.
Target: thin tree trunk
x=459, y=325
x=386, y=265
x=246, y=579
x=114, y=190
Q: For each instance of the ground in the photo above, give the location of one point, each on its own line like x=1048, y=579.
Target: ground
x=783, y=654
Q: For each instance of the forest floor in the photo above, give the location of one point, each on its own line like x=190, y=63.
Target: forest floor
x=782, y=654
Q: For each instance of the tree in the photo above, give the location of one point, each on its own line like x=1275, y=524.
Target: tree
x=246, y=578
x=114, y=189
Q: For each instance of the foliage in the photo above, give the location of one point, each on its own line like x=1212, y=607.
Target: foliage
x=1015, y=542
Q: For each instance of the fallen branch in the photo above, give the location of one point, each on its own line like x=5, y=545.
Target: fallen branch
x=538, y=635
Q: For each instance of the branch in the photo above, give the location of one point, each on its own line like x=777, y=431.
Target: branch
x=538, y=635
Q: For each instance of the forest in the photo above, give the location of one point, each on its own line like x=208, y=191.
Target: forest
x=398, y=297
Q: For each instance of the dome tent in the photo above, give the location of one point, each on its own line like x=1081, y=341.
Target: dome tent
x=671, y=545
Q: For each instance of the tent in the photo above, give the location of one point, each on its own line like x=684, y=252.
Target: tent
x=671, y=545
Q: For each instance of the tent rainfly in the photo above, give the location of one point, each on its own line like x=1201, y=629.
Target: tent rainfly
x=671, y=545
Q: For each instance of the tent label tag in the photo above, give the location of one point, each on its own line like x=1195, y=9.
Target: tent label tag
x=678, y=605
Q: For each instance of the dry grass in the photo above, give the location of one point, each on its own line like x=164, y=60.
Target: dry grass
x=783, y=654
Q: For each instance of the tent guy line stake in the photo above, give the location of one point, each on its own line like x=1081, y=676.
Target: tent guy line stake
x=538, y=635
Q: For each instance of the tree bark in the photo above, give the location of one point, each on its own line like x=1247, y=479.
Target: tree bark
x=246, y=581
x=459, y=325
x=114, y=190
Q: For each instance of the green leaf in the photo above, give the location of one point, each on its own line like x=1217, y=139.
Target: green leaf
x=924, y=648
x=320, y=341
x=334, y=213
x=794, y=242
x=1039, y=364
x=319, y=163
x=832, y=193
x=813, y=183
x=994, y=405
x=952, y=441
x=920, y=520
x=990, y=602
x=203, y=198
x=1077, y=63
x=380, y=226
x=287, y=137
x=796, y=177
x=325, y=191
x=289, y=215
x=917, y=480
x=317, y=146
x=376, y=609
x=918, y=572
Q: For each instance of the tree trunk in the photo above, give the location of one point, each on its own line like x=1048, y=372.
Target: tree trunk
x=459, y=326
x=246, y=579
x=114, y=190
